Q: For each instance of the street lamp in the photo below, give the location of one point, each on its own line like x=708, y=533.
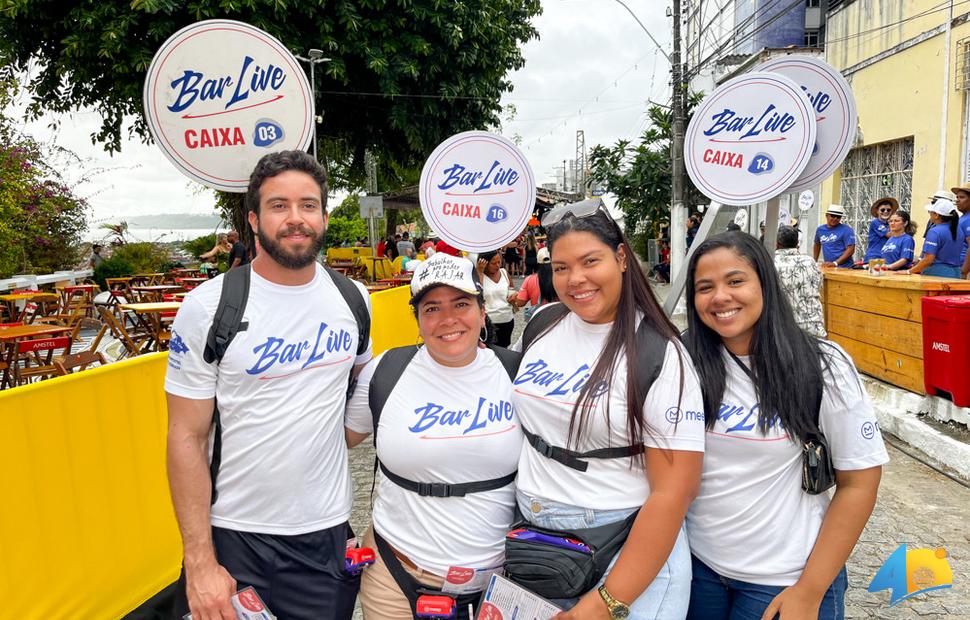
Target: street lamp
x=315, y=57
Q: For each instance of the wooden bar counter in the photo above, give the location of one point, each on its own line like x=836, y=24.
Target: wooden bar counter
x=879, y=320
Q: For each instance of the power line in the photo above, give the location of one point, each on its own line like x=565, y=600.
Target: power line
x=942, y=7
x=457, y=97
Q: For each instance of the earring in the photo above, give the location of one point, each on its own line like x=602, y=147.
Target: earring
x=485, y=330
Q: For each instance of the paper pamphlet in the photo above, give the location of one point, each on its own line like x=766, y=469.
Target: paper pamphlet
x=504, y=600
x=248, y=606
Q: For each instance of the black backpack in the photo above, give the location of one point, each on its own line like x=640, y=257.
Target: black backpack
x=386, y=376
x=228, y=321
x=651, y=349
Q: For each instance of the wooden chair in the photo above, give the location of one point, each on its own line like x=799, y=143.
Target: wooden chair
x=133, y=341
x=77, y=361
x=118, y=292
x=36, y=358
x=42, y=306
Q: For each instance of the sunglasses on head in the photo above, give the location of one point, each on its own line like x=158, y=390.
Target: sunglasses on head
x=579, y=210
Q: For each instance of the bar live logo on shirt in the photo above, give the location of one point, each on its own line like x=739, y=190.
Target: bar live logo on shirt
x=219, y=95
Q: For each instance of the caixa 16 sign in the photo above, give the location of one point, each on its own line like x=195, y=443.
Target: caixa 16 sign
x=219, y=95
x=750, y=139
x=477, y=191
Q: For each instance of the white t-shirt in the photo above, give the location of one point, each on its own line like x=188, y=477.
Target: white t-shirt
x=751, y=520
x=551, y=375
x=281, y=390
x=496, y=294
x=450, y=425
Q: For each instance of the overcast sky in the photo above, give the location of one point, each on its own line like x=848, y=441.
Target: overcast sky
x=592, y=68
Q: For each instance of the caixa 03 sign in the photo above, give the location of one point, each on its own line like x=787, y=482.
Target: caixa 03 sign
x=219, y=95
x=750, y=139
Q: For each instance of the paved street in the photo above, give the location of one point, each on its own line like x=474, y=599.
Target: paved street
x=916, y=506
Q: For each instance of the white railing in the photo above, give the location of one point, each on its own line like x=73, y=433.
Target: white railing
x=34, y=282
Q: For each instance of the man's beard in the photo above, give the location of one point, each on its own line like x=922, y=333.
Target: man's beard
x=286, y=258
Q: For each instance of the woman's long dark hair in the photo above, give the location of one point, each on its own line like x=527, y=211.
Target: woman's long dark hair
x=786, y=362
x=635, y=297
x=953, y=221
x=547, y=292
x=909, y=227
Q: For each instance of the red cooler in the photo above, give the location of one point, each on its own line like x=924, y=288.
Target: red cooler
x=946, y=347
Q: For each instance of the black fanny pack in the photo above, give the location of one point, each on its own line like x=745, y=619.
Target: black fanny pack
x=556, y=564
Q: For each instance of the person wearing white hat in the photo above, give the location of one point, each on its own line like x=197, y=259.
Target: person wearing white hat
x=963, y=206
x=943, y=194
x=448, y=442
x=835, y=240
x=943, y=243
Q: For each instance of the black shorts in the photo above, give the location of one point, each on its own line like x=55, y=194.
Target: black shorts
x=297, y=577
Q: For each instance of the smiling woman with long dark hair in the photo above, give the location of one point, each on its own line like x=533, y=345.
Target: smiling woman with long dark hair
x=607, y=450
x=760, y=542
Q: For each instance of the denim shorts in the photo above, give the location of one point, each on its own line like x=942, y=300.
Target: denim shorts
x=667, y=597
x=714, y=597
x=942, y=271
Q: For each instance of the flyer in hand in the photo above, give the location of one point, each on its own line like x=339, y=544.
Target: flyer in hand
x=504, y=600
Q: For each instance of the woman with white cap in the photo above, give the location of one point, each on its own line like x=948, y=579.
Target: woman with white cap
x=943, y=243
x=448, y=443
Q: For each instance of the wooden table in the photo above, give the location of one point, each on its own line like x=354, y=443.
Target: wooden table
x=192, y=282
x=155, y=291
x=11, y=299
x=878, y=320
x=149, y=316
x=10, y=336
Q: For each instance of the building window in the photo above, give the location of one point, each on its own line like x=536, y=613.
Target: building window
x=811, y=38
x=813, y=4
x=870, y=173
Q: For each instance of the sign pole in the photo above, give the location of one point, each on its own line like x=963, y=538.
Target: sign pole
x=771, y=224
x=680, y=279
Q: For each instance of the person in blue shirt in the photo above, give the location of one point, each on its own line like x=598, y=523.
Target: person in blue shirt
x=881, y=210
x=835, y=240
x=963, y=206
x=941, y=249
x=898, y=250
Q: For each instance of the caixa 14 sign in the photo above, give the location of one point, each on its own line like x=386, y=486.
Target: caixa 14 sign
x=750, y=139
x=219, y=95
x=477, y=191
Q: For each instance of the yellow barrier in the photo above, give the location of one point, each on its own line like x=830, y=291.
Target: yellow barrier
x=393, y=323
x=348, y=253
x=87, y=528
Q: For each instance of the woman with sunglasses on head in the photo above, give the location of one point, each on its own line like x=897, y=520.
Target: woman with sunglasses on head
x=762, y=545
x=881, y=210
x=605, y=449
x=898, y=251
x=943, y=244
x=447, y=442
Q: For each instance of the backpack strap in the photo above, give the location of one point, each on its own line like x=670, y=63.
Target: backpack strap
x=228, y=319
x=355, y=299
x=541, y=322
x=226, y=323
x=509, y=360
x=386, y=376
x=441, y=489
x=651, y=348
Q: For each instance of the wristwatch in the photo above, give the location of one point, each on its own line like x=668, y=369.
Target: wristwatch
x=618, y=610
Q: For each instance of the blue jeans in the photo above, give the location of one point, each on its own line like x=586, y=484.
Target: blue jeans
x=942, y=271
x=713, y=597
x=667, y=595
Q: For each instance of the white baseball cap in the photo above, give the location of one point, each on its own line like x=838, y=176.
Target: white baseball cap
x=942, y=206
x=942, y=194
x=444, y=270
x=542, y=256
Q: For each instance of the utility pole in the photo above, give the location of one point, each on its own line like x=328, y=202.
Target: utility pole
x=581, y=163
x=678, y=218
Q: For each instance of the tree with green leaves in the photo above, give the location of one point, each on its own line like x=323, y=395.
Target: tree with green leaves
x=639, y=175
x=404, y=74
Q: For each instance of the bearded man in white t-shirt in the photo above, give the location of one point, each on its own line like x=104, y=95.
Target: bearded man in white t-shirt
x=275, y=517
